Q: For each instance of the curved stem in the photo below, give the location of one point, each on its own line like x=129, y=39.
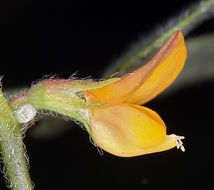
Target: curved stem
x=12, y=149
x=185, y=23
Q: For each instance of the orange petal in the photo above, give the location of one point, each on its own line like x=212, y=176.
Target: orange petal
x=169, y=62
x=158, y=68
x=129, y=130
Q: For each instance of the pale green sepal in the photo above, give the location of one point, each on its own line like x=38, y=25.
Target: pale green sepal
x=90, y=85
x=61, y=94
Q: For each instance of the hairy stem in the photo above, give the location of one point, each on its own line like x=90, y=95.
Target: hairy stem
x=185, y=23
x=12, y=150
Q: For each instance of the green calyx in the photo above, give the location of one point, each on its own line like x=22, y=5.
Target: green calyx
x=64, y=93
x=63, y=96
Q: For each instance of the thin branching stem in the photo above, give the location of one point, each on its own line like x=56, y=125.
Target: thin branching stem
x=12, y=150
x=185, y=22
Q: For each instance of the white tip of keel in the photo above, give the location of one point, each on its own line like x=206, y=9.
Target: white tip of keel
x=179, y=142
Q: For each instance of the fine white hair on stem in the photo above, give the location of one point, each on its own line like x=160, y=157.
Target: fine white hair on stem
x=202, y=11
x=100, y=150
x=10, y=96
x=35, y=82
x=46, y=77
x=74, y=75
x=1, y=77
x=44, y=112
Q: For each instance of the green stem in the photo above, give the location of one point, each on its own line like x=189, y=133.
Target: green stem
x=12, y=150
x=185, y=24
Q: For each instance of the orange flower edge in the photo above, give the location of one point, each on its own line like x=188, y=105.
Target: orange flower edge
x=121, y=126
x=149, y=80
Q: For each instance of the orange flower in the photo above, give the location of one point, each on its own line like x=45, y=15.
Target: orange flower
x=124, y=128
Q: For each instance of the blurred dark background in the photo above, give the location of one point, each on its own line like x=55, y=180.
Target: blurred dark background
x=61, y=37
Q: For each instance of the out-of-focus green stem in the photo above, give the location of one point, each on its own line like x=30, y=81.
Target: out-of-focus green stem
x=185, y=24
x=12, y=150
